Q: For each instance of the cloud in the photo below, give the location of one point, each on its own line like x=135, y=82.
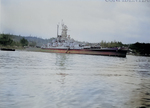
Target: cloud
x=90, y=21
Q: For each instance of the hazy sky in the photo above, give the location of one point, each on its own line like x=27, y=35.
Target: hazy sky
x=87, y=20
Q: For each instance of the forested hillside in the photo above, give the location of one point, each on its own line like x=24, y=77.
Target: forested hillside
x=33, y=41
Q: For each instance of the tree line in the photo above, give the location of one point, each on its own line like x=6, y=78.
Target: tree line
x=111, y=44
x=6, y=40
x=140, y=48
x=135, y=48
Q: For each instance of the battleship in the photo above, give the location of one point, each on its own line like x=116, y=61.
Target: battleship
x=65, y=44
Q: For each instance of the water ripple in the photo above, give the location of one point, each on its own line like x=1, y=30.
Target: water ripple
x=50, y=80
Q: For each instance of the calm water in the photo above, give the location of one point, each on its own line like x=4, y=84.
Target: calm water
x=50, y=80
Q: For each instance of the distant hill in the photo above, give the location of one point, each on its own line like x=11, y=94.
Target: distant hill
x=39, y=41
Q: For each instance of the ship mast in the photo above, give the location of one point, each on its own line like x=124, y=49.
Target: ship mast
x=64, y=31
x=57, y=30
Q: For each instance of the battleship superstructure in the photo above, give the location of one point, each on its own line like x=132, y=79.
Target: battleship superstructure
x=65, y=44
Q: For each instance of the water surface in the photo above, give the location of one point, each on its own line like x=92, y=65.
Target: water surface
x=52, y=80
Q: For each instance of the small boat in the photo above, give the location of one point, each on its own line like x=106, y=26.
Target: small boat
x=7, y=49
x=64, y=44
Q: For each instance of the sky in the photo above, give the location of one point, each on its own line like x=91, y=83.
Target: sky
x=87, y=20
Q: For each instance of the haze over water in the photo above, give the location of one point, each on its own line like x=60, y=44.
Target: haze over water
x=52, y=80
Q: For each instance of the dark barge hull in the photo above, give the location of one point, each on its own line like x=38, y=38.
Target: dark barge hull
x=6, y=49
x=105, y=52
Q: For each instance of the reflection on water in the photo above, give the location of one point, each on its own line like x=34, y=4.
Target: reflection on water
x=51, y=80
x=61, y=59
